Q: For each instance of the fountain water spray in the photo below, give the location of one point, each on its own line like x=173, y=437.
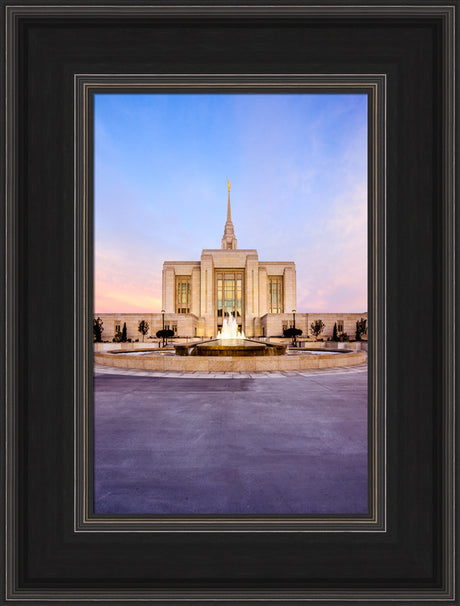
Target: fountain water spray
x=230, y=329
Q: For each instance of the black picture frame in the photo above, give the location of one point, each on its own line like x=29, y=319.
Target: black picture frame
x=86, y=87
x=46, y=558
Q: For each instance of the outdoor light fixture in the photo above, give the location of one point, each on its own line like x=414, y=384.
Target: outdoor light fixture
x=294, y=340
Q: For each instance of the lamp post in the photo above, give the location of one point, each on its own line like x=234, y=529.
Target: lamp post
x=163, y=314
x=294, y=339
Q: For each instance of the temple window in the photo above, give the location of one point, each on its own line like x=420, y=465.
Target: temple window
x=229, y=294
x=183, y=294
x=275, y=294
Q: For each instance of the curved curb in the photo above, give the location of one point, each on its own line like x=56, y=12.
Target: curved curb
x=228, y=363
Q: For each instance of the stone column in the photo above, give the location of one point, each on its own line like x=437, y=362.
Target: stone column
x=251, y=294
x=196, y=288
x=169, y=289
x=290, y=296
x=263, y=291
x=207, y=294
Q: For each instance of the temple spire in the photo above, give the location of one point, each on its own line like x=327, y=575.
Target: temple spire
x=229, y=240
x=229, y=206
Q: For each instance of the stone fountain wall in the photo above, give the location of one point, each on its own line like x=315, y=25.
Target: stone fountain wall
x=229, y=364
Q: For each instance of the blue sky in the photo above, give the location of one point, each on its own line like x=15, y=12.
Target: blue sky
x=298, y=168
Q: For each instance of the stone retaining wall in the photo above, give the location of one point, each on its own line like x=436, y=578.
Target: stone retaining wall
x=229, y=364
x=153, y=344
x=149, y=344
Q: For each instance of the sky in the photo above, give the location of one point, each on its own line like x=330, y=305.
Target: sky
x=297, y=164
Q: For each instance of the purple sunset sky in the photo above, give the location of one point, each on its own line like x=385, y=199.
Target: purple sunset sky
x=298, y=168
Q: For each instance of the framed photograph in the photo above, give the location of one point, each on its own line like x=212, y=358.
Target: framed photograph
x=232, y=313
x=229, y=387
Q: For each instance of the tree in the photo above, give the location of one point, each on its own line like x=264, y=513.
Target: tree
x=361, y=328
x=335, y=336
x=124, y=336
x=292, y=333
x=317, y=328
x=164, y=334
x=98, y=329
x=167, y=332
x=143, y=328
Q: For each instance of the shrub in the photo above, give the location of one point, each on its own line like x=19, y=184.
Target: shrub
x=143, y=328
x=317, y=327
x=335, y=336
x=292, y=332
x=361, y=328
x=118, y=337
x=98, y=330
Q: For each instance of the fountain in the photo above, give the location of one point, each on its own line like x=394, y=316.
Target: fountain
x=230, y=329
x=231, y=342
x=236, y=353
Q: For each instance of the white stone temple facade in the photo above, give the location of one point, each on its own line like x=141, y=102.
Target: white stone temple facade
x=227, y=281
x=197, y=295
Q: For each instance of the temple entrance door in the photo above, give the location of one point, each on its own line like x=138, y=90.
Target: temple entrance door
x=229, y=290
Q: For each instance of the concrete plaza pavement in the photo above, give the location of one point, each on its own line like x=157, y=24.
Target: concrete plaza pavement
x=288, y=443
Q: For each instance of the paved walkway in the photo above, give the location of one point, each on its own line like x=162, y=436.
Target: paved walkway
x=109, y=370
x=293, y=442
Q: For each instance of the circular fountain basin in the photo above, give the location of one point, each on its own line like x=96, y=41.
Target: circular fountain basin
x=225, y=360
x=231, y=347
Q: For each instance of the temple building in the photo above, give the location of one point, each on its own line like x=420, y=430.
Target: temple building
x=197, y=295
x=228, y=280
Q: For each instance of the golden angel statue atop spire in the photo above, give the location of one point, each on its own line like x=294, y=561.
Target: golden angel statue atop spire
x=228, y=184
